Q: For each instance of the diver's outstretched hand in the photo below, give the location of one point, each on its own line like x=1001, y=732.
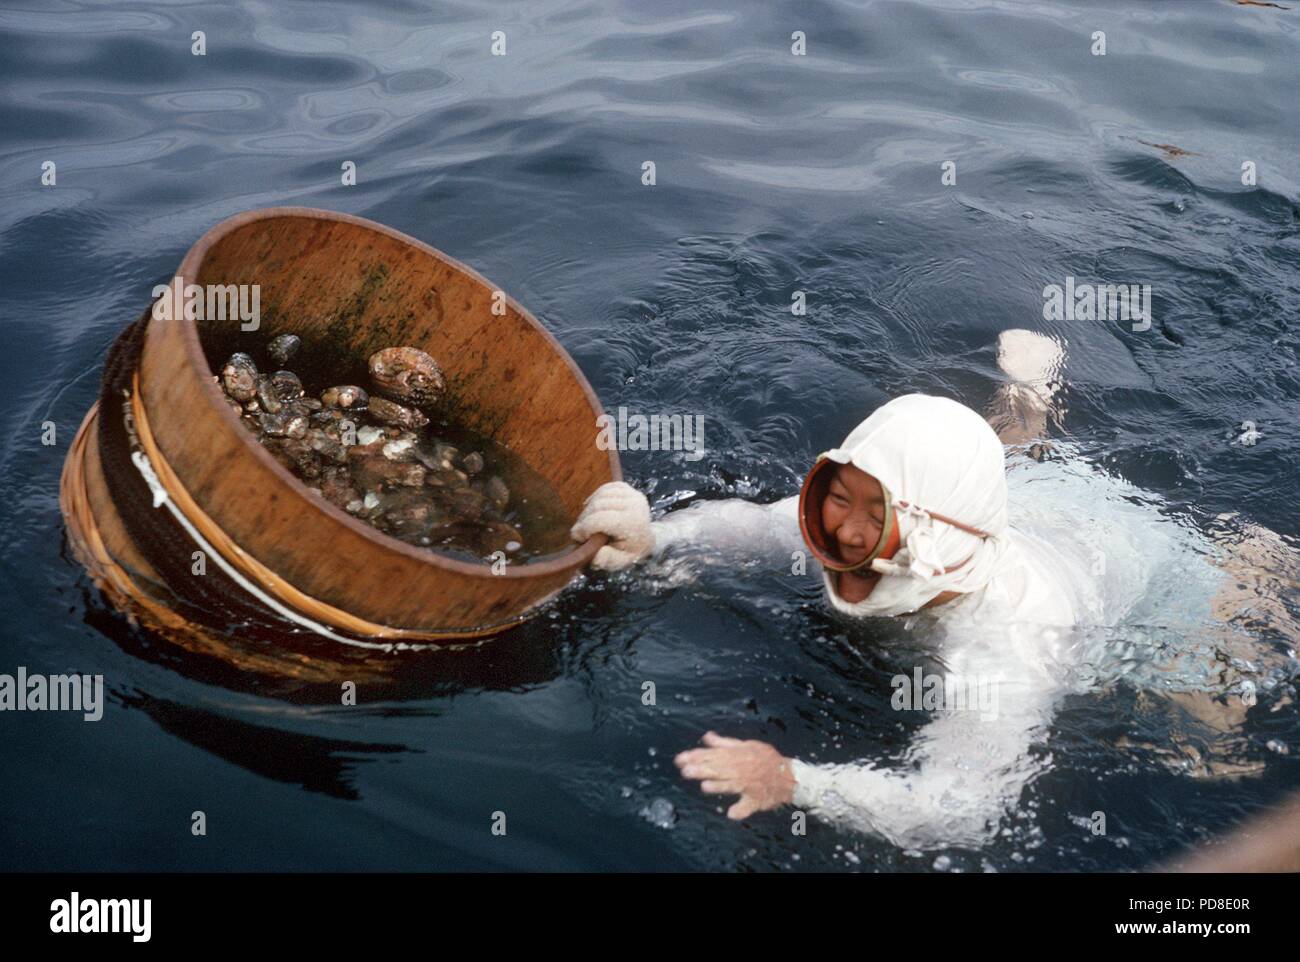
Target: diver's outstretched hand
x=622, y=513
x=754, y=770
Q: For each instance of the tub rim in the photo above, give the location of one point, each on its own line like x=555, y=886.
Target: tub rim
x=572, y=560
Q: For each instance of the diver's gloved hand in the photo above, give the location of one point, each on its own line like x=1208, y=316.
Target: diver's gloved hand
x=621, y=512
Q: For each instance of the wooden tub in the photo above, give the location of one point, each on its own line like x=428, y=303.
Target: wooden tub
x=283, y=555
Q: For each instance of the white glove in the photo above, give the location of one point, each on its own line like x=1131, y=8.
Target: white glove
x=621, y=512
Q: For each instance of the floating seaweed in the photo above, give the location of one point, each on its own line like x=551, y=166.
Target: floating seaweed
x=1169, y=149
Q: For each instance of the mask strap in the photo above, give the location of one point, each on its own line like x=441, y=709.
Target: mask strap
x=960, y=526
x=883, y=566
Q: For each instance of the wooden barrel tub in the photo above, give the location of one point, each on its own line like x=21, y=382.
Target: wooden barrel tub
x=279, y=563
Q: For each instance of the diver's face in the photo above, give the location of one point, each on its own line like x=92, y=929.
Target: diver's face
x=853, y=513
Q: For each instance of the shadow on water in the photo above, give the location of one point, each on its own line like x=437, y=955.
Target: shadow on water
x=315, y=763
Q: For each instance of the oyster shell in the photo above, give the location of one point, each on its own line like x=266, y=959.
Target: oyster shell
x=407, y=375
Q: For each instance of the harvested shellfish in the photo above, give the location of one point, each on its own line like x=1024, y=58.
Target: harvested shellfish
x=239, y=377
x=368, y=454
x=286, y=385
x=283, y=347
x=346, y=397
x=396, y=415
x=407, y=375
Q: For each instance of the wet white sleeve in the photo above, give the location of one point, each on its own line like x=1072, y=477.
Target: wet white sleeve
x=962, y=772
x=733, y=527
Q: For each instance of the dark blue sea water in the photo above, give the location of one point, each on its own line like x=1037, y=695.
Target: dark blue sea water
x=775, y=173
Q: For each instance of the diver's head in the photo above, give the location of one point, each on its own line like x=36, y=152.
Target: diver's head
x=853, y=516
x=910, y=499
x=848, y=521
x=846, y=516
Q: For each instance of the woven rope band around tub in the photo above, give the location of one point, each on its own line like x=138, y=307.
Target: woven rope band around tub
x=166, y=524
x=87, y=542
x=124, y=586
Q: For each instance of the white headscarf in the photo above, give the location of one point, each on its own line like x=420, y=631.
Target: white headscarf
x=936, y=455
